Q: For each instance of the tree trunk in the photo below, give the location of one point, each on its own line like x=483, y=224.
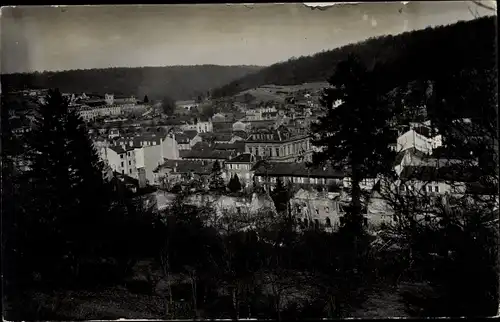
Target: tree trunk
x=194, y=293
x=356, y=215
x=167, y=311
x=236, y=302
x=277, y=304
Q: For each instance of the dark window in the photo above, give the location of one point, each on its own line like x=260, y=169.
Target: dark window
x=436, y=188
x=123, y=171
x=317, y=211
x=130, y=163
x=328, y=222
x=277, y=152
x=122, y=163
x=130, y=171
x=121, y=156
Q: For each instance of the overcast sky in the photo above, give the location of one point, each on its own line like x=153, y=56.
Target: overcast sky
x=80, y=37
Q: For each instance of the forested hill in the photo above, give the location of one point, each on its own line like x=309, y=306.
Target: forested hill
x=407, y=56
x=178, y=82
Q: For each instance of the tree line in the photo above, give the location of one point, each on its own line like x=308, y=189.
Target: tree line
x=404, y=57
x=178, y=82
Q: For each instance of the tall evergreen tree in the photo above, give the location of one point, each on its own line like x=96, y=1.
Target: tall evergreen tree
x=354, y=133
x=281, y=196
x=216, y=180
x=68, y=194
x=234, y=184
x=146, y=99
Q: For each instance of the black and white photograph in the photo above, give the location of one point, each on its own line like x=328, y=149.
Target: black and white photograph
x=250, y=161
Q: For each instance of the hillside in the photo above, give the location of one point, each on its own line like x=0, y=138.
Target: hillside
x=178, y=82
x=402, y=58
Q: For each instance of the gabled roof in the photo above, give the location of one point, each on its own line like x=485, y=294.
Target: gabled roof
x=293, y=169
x=243, y=158
x=453, y=173
x=205, y=154
x=201, y=146
x=413, y=152
x=190, y=134
x=187, y=166
x=118, y=149
x=238, y=146
x=242, y=134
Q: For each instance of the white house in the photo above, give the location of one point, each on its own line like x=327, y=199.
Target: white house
x=413, y=139
x=241, y=166
x=204, y=125
x=127, y=155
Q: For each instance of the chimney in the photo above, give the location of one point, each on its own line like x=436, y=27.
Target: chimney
x=142, y=177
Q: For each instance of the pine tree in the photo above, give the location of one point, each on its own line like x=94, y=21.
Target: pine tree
x=234, y=184
x=146, y=99
x=216, y=180
x=281, y=196
x=69, y=195
x=354, y=134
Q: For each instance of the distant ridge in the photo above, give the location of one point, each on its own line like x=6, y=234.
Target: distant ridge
x=404, y=57
x=178, y=82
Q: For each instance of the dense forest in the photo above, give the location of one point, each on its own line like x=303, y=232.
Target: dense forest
x=178, y=82
x=402, y=58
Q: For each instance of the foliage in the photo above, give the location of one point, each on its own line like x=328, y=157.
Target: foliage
x=354, y=134
x=281, y=196
x=146, y=99
x=216, y=180
x=178, y=82
x=404, y=57
x=234, y=184
x=168, y=106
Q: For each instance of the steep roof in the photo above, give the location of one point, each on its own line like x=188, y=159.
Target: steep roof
x=243, y=158
x=205, y=154
x=201, y=146
x=296, y=170
x=238, y=146
x=448, y=173
x=187, y=166
x=191, y=134
x=118, y=149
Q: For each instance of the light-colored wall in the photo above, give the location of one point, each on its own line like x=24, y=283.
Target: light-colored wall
x=169, y=148
x=288, y=151
x=115, y=160
x=308, y=206
x=430, y=187
x=139, y=157
x=195, y=140
x=152, y=159
x=188, y=127
x=242, y=170
x=204, y=127
x=413, y=139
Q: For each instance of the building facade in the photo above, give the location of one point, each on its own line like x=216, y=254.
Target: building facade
x=277, y=146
